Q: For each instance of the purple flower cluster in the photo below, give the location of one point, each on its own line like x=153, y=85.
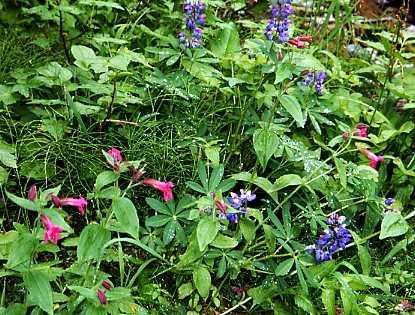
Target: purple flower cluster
x=333, y=240
x=317, y=78
x=279, y=21
x=193, y=16
x=237, y=202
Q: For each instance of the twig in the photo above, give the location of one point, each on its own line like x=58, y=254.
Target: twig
x=123, y=122
x=236, y=306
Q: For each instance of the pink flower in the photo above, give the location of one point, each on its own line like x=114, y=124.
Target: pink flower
x=106, y=284
x=374, y=159
x=79, y=203
x=305, y=38
x=115, y=153
x=361, y=130
x=52, y=231
x=101, y=297
x=296, y=42
x=32, y=193
x=221, y=205
x=164, y=187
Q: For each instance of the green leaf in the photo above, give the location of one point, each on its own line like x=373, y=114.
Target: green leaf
x=328, y=297
x=195, y=187
x=105, y=178
x=201, y=170
x=106, y=4
x=126, y=214
x=6, y=157
x=247, y=227
x=157, y=220
x=216, y=177
x=227, y=42
x=4, y=175
x=120, y=62
x=191, y=254
x=291, y=104
x=22, y=251
x=158, y=206
x=169, y=232
x=84, y=56
x=92, y=241
x=265, y=143
x=284, y=267
x=393, y=224
x=202, y=281
x=285, y=181
x=222, y=241
x=203, y=72
x=206, y=232
x=185, y=290
x=365, y=259
x=261, y=182
x=305, y=303
x=225, y=185
x=40, y=291
x=341, y=169
x=22, y=202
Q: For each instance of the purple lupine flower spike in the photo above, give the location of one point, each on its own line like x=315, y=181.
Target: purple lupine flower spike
x=279, y=22
x=194, y=16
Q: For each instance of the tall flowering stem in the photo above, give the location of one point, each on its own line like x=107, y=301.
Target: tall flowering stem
x=279, y=22
x=334, y=239
x=191, y=36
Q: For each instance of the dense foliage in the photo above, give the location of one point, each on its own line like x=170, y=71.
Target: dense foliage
x=205, y=157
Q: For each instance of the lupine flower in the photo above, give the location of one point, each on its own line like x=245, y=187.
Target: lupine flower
x=319, y=82
x=279, y=22
x=164, y=187
x=52, y=231
x=32, y=193
x=101, y=296
x=106, y=284
x=80, y=203
x=334, y=239
x=374, y=159
x=236, y=202
x=117, y=158
x=389, y=201
x=193, y=16
x=309, y=80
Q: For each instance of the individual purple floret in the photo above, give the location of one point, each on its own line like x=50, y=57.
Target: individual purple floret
x=193, y=17
x=237, y=202
x=309, y=80
x=335, y=238
x=319, y=82
x=389, y=201
x=279, y=22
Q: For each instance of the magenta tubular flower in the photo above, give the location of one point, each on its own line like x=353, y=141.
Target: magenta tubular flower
x=101, y=296
x=115, y=153
x=32, y=193
x=374, y=159
x=52, y=231
x=164, y=187
x=79, y=203
x=221, y=206
x=106, y=284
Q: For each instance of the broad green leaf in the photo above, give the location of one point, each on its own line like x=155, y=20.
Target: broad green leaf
x=284, y=267
x=291, y=104
x=203, y=72
x=40, y=291
x=212, y=153
x=84, y=56
x=6, y=157
x=22, y=202
x=169, y=232
x=285, y=181
x=328, y=297
x=195, y=187
x=202, y=281
x=126, y=214
x=393, y=224
x=23, y=250
x=107, y=4
x=225, y=185
x=55, y=72
x=191, y=254
x=105, y=178
x=92, y=241
x=119, y=62
x=6, y=95
x=265, y=143
x=247, y=227
x=185, y=290
x=206, y=232
x=365, y=259
x=222, y=241
x=227, y=42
